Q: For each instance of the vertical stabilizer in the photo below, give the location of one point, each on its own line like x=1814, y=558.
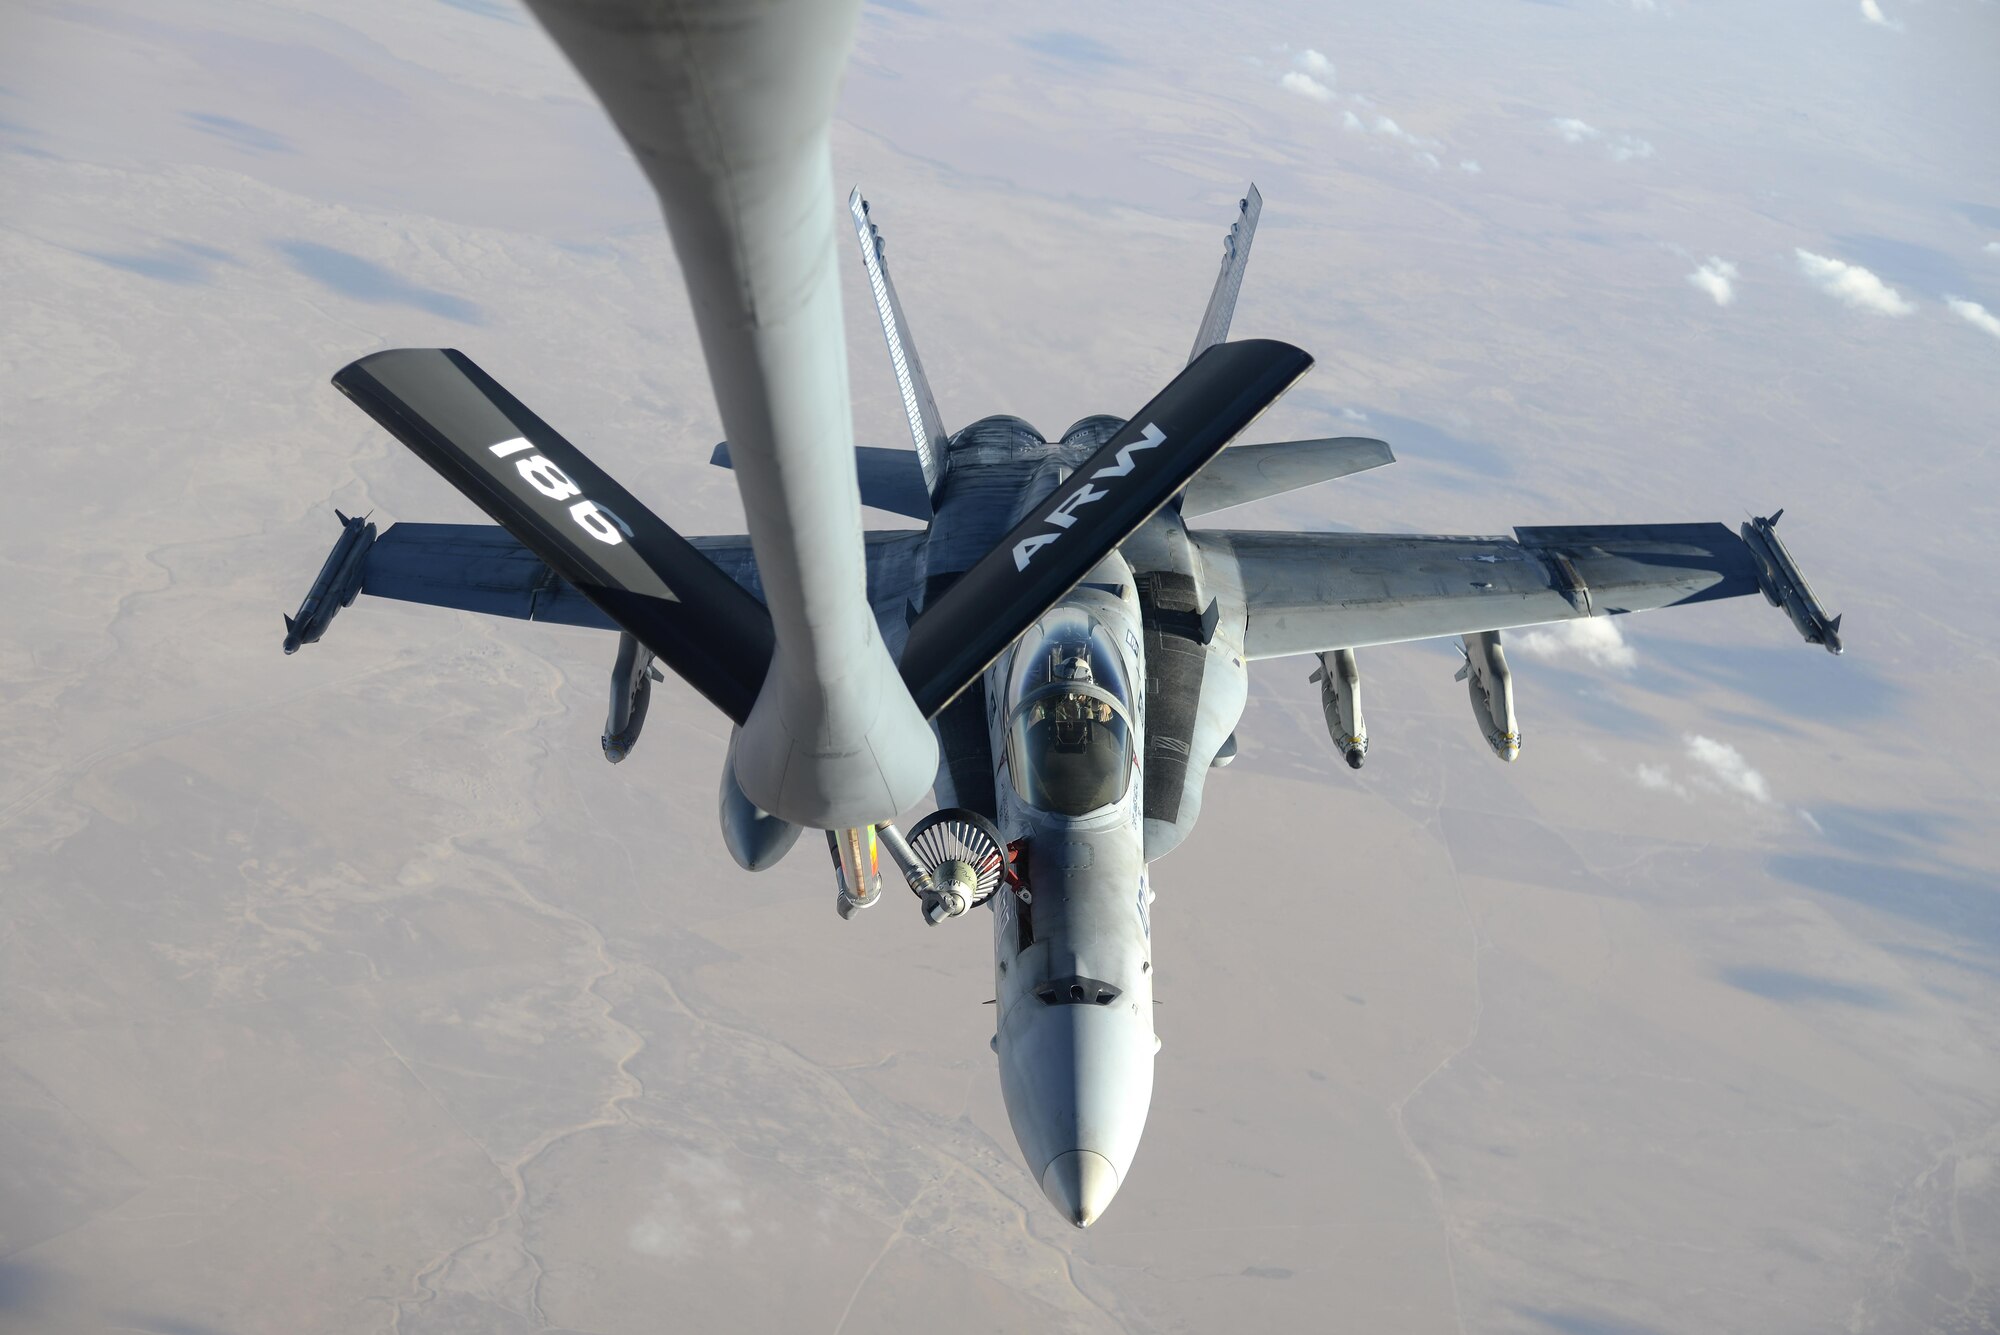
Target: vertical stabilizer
x=927, y=432
x=1235, y=259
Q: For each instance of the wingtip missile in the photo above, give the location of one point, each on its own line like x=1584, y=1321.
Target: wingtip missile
x=1784, y=586
x=337, y=585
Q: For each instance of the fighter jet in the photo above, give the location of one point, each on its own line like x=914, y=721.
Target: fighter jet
x=1078, y=644
x=1059, y=653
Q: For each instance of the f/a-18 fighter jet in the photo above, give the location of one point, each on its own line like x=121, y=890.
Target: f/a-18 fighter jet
x=1070, y=647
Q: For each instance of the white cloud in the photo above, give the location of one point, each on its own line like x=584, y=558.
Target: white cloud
x=1717, y=277
x=1469, y=167
x=1312, y=62
x=1992, y=247
x=1305, y=85
x=1352, y=414
x=1853, y=285
x=1659, y=780
x=1974, y=314
x=1427, y=147
x=1727, y=768
x=1624, y=148
x=1719, y=769
x=1595, y=640
x=1384, y=126
x=1872, y=12
x=662, y=1231
x=701, y=1200
x=1630, y=147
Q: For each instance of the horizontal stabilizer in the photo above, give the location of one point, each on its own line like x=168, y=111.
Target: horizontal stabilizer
x=891, y=479
x=614, y=551
x=1089, y=514
x=1245, y=473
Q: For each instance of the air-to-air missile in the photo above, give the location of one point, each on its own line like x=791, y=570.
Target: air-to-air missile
x=1491, y=685
x=338, y=583
x=1340, y=700
x=632, y=678
x=1778, y=575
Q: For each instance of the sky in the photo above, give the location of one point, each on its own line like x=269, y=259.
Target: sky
x=353, y=991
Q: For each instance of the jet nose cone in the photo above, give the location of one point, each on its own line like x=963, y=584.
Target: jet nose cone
x=1080, y=1184
x=1078, y=1078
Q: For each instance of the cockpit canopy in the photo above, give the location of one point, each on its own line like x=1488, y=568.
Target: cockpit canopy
x=1069, y=736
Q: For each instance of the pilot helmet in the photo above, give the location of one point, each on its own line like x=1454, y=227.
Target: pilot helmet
x=1071, y=663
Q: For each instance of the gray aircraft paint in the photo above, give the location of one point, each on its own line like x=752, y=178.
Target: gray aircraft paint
x=726, y=107
x=1221, y=309
x=1076, y=1071
x=1188, y=609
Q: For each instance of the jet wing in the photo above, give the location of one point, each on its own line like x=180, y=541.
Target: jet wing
x=1312, y=592
x=477, y=568
x=484, y=568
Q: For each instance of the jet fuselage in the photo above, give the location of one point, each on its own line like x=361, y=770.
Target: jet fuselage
x=1056, y=746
